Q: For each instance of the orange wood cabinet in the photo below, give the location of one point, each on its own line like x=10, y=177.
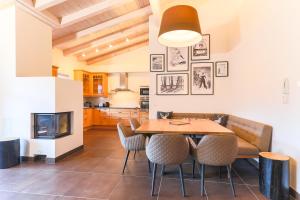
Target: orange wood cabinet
x=87, y=117
x=100, y=84
x=94, y=84
x=54, y=71
x=110, y=117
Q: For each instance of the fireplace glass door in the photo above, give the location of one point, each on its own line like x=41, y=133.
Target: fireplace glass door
x=52, y=125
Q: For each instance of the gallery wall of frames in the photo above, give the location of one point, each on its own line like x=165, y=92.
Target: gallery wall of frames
x=187, y=70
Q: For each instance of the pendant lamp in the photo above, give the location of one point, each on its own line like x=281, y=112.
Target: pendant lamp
x=180, y=27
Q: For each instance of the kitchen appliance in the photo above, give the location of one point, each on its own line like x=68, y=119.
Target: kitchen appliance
x=144, y=104
x=144, y=91
x=144, y=97
x=123, y=83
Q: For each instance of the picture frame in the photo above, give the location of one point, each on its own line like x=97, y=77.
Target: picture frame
x=177, y=59
x=201, y=50
x=172, y=84
x=222, y=69
x=157, y=62
x=202, y=78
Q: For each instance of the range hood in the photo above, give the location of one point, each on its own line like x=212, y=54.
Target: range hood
x=123, y=83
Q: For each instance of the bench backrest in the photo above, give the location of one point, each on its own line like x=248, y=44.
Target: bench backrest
x=255, y=133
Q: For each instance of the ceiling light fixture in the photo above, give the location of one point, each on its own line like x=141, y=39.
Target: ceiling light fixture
x=110, y=46
x=180, y=27
x=83, y=55
x=97, y=50
x=127, y=39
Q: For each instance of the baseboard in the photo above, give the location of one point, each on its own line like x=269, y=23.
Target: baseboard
x=292, y=191
x=54, y=160
x=26, y=158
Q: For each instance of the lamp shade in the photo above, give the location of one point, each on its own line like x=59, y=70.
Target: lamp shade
x=180, y=27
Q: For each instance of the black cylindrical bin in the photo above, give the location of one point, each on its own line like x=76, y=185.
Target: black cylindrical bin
x=9, y=152
x=274, y=175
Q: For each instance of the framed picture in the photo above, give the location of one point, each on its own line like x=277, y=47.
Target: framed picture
x=157, y=62
x=177, y=59
x=172, y=84
x=202, y=78
x=201, y=51
x=222, y=69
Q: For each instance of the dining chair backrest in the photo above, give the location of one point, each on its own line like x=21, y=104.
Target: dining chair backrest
x=217, y=150
x=134, y=124
x=123, y=133
x=167, y=149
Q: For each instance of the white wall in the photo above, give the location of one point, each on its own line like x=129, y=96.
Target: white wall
x=191, y=103
x=136, y=63
x=262, y=46
x=131, y=99
x=66, y=64
x=268, y=52
x=31, y=34
x=132, y=61
x=22, y=96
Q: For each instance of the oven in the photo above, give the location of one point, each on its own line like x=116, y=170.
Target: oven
x=144, y=104
x=144, y=91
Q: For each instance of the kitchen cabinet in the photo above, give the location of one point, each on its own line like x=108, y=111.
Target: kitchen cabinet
x=87, y=117
x=111, y=117
x=54, y=71
x=94, y=84
x=100, y=84
x=101, y=117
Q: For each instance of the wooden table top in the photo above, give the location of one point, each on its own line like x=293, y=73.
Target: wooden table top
x=189, y=126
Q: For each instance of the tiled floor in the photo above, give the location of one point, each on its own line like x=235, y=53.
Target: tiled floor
x=95, y=174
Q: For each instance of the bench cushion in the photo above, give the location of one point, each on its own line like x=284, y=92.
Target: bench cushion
x=245, y=148
x=255, y=133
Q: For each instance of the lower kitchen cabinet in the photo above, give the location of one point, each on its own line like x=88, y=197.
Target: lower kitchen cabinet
x=87, y=117
x=111, y=117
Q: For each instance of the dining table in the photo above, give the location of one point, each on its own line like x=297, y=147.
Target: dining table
x=182, y=126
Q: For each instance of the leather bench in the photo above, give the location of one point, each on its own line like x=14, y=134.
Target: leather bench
x=253, y=137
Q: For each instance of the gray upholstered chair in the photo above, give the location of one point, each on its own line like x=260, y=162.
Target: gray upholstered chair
x=134, y=124
x=167, y=149
x=130, y=141
x=215, y=150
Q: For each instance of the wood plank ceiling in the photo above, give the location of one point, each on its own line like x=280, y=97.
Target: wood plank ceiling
x=94, y=30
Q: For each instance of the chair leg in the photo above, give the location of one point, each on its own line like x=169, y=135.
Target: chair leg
x=202, y=177
x=134, y=154
x=181, y=180
x=163, y=170
x=153, y=178
x=231, y=181
x=125, y=161
x=194, y=164
x=149, y=166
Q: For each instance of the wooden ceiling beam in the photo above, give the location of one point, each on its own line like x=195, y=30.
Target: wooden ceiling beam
x=118, y=44
x=108, y=24
x=141, y=28
x=45, y=4
x=91, y=11
x=117, y=52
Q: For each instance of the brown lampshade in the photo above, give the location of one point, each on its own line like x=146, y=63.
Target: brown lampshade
x=180, y=27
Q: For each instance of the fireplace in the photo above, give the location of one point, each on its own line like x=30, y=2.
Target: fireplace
x=52, y=125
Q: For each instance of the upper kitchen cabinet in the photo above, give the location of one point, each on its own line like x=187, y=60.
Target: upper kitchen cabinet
x=94, y=84
x=100, y=84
